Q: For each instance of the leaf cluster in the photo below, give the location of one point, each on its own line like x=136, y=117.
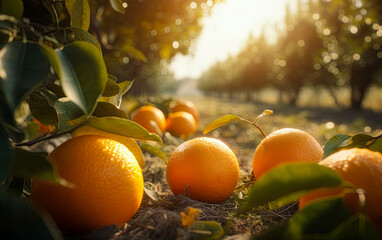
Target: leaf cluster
x=52, y=70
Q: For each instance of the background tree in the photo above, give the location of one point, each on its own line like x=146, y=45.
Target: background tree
x=146, y=37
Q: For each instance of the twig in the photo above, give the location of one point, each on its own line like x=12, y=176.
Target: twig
x=37, y=140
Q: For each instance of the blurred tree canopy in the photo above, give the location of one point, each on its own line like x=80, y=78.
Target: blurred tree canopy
x=332, y=43
x=140, y=43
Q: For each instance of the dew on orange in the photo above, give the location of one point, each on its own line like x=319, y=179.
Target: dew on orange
x=108, y=184
x=204, y=169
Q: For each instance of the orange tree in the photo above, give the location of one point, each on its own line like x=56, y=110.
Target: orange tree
x=52, y=70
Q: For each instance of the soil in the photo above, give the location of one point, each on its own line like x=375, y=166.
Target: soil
x=159, y=215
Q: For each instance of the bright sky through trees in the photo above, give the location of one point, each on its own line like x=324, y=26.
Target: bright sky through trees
x=227, y=29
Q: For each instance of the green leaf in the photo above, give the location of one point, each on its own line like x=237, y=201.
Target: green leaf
x=66, y=112
x=210, y=230
x=312, y=221
x=79, y=12
x=42, y=110
x=34, y=165
x=117, y=99
x=356, y=227
x=83, y=35
x=31, y=130
x=154, y=151
x=111, y=89
x=357, y=141
x=24, y=67
x=5, y=156
x=13, y=8
x=133, y=52
x=117, y=6
x=123, y=127
x=19, y=220
x=105, y=109
x=82, y=73
x=377, y=145
x=220, y=122
x=289, y=181
x=334, y=143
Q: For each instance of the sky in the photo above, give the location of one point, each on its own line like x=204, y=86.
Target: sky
x=225, y=32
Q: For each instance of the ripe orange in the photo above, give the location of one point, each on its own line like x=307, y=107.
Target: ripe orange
x=361, y=167
x=145, y=114
x=285, y=145
x=128, y=142
x=204, y=169
x=108, y=184
x=181, y=124
x=186, y=106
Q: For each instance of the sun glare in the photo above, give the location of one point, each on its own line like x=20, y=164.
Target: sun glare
x=227, y=29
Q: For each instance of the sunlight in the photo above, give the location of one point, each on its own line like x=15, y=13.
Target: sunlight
x=227, y=29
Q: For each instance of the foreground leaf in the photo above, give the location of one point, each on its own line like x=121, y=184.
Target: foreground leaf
x=82, y=73
x=18, y=220
x=220, y=122
x=24, y=67
x=154, y=151
x=328, y=219
x=208, y=230
x=123, y=127
x=34, y=165
x=287, y=182
x=66, y=112
x=79, y=12
x=13, y=8
x=334, y=143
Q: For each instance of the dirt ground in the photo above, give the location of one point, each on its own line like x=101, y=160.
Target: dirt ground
x=159, y=215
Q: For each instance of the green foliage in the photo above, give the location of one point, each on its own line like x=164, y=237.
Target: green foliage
x=323, y=220
x=341, y=141
x=24, y=66
x=288, y=182
x=154, y=150
x=18, y=220
x=53, y=71
x=210, y=230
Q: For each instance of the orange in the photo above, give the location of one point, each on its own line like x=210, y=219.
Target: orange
x=204, y=169
x=186, y=106
x=43, y=128
x=128, y=142
x=361, y=167
x=145, y=114
x=181, y=124
x=285, y=145
x=108, y=184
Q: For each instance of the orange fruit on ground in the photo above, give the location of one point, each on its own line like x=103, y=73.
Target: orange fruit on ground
x=181, y=124
x=204, y=169
x=108, y=184
x=186, y=106
x=285, y=145
x=361, y=167
x=128, y=142
x=145, y=114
